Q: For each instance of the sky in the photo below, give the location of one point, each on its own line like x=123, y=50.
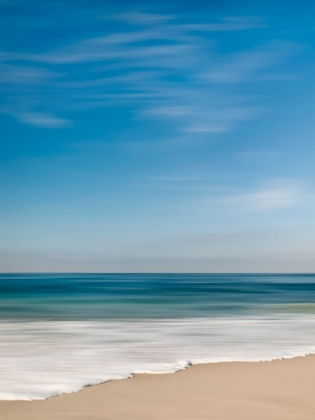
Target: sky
x=157, y=136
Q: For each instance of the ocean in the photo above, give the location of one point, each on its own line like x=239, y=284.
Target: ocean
x=61, y=332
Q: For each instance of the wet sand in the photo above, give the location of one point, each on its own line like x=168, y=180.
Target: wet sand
x=282, y=390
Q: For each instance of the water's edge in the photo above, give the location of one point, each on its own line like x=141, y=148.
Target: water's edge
x=189, y=364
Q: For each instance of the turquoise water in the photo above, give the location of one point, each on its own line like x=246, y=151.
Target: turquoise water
x=99, y=296
x=60, y=332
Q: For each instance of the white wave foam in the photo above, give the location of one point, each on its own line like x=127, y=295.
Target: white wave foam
x=42, y=359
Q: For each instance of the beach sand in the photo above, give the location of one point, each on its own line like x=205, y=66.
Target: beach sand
x=282, y=389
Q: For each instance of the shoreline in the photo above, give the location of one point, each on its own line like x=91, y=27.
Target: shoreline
x=188, y=365
x=278, y=389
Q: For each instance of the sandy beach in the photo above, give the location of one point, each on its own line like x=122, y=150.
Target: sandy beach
x=282, y=389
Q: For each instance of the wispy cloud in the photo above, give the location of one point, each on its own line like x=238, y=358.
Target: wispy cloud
x=23, y=75
x=163, y=66
x=178, y=178
x=243, y=66
x=229, y=24
x=142, y=18
x=274, y=195
x=252, y=154
x=43, y=120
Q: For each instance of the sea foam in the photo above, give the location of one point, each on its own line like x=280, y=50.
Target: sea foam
x=42, y=359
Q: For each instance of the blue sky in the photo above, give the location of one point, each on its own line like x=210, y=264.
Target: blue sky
x=145, y=137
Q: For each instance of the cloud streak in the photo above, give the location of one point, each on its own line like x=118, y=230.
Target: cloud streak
x=243, y=66
x=43, y=120
x=164, y=67
x=273, y=196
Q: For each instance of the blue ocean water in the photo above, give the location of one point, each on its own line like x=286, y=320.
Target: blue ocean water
x=60, y=332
